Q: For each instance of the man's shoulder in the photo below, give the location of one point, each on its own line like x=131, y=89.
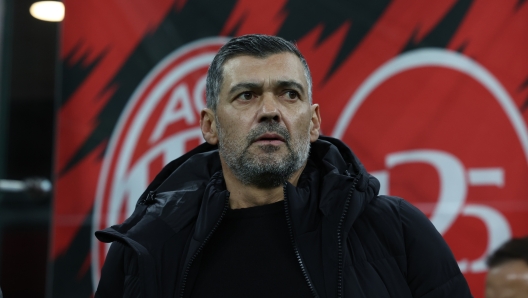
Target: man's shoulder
x=383, y=205
x=393, y=219
x=161, y=216
x=382, y=216
x=390, y=210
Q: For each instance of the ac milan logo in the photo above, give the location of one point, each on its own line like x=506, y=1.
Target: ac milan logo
x=159, y=124
x=460, y=170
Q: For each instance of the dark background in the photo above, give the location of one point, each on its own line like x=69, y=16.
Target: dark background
x=26, y=141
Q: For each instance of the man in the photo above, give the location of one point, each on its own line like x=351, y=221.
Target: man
x=268, y=208
x=508, y=273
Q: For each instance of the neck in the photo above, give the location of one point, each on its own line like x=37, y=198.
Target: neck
x=245, y=196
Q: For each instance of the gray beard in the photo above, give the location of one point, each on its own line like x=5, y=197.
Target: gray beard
x=266, y=170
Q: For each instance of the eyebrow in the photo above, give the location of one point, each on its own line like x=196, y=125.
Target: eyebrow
x=290, y=84
x=244, y=86
x=253, y=86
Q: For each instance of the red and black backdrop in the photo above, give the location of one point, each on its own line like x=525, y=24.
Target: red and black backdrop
x=431, y=95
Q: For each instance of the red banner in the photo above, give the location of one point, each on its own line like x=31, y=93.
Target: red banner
x=432, y=97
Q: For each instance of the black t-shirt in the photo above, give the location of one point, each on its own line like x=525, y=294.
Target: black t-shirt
x=250, y=255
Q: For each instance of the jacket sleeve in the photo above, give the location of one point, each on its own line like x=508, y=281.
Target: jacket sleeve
x=432, y=270
x=119, y=275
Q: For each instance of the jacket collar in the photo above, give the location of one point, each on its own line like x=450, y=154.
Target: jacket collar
x=181, y=184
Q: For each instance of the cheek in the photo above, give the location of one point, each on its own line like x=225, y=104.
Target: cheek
x=305, y=124
x=233, y=131
x=236, y=119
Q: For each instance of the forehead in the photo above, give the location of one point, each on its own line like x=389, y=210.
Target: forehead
x=515, y=271
x=508, y=280
x=245, y=68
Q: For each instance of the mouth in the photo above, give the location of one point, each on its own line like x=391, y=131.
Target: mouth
x=269, y=139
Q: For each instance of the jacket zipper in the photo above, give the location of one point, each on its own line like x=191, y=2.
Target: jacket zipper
x=341, y=261
x=188, y=269
x=295, y=249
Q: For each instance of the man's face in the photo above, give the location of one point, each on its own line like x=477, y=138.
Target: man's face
x=508, y=280
x=264, y=118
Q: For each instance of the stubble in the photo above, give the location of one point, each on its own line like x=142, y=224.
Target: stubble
x=267, y=168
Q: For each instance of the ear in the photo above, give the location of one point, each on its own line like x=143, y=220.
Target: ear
x=208, y=126
x=315, y=123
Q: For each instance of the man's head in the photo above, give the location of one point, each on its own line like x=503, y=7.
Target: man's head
x=259, y=109
x=508, y=270
x=254, y=45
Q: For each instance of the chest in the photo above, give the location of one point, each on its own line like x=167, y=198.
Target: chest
x=251, y=254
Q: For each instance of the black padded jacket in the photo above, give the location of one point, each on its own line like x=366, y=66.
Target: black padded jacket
x=349, y=241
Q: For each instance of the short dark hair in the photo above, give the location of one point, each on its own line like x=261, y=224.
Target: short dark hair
x=514, y=249
x=256, y=45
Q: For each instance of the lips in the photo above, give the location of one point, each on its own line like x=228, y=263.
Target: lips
x=270, y=138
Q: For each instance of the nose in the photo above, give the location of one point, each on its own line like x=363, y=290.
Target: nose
x=269, y=109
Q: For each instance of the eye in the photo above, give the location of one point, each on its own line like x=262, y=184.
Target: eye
x=290, y=94
x=246, y=96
